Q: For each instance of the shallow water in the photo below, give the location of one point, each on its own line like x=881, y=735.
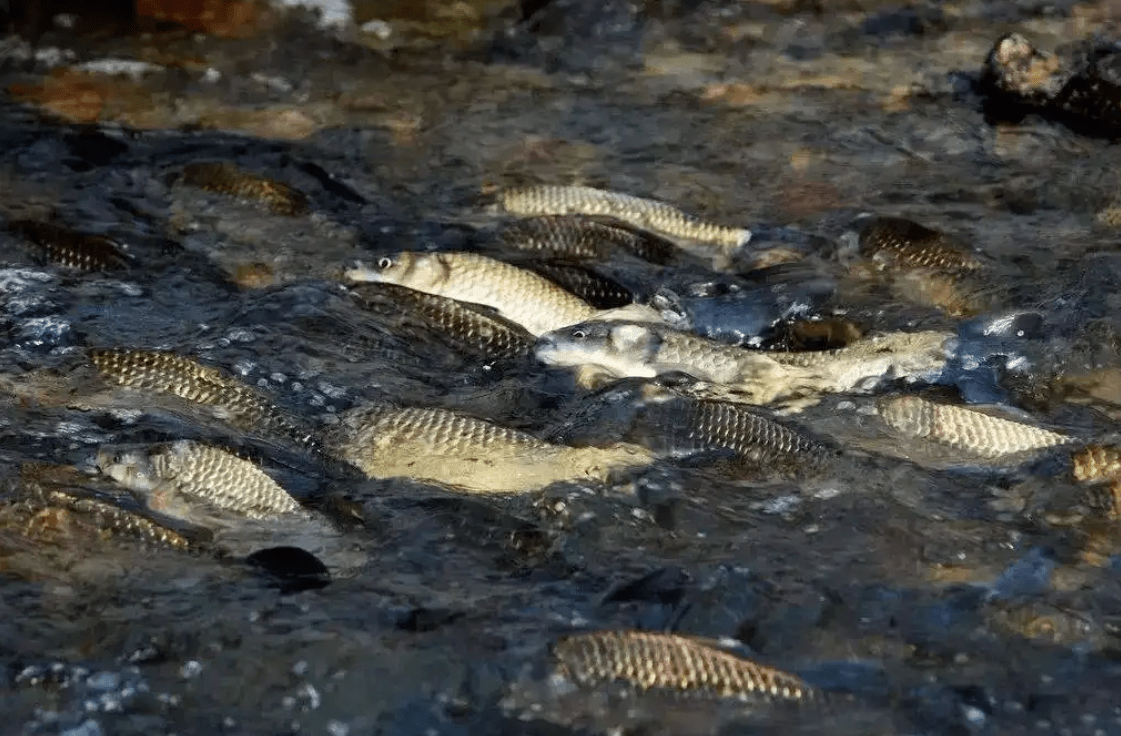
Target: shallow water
x=932, y=588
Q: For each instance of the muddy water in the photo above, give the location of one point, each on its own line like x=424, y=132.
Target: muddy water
x=940, y=592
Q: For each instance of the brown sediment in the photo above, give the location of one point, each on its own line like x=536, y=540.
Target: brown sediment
x=225, y=178
x=649, y=661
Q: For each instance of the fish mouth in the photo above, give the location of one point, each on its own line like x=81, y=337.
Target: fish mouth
x=361, y=273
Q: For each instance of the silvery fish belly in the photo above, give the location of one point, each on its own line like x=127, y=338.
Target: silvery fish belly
x=167, y=473
x=519, y=295
x=444, y=447
x=647, y=214
x=968, y=430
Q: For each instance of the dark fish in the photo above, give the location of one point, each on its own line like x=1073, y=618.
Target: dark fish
x=831, y=333
x=580, y=238
x=71, y=248
x=674, y=664
x=899, y=242
x=684, y=426
x=225, y=178
x=240, y=405
x=474, y=327
x=598, y=290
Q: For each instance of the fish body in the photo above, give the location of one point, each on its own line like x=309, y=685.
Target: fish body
x=904, y=243
x=519, y=295
x=673, y=664
x=475, y=328
x=70, y=248
x=225, y=178
x=442, y=446
x=168, y=373
x=646, y=214
x=686, y=426
x=598, y=290
x=970, y=431
x=647, y=350
x=579, y=238
x=200, y=473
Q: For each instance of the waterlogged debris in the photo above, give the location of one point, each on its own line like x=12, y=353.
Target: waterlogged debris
x=208, y=474
x=442, y=446
x=646, y=214
x=71, y=248
x=225, y=178
x=1081, y=90
x=901, y=243
x=674, y=664
x=624, y=349
x=974, y=433
x=578, y=238
x=291, y=569
x=476, y=328
x=598, y=290
x=168, y=373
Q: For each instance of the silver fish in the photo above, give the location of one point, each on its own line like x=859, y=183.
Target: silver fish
x=453, y=449
x=646, y=214
x=968, y=430
x=167, y=473
x=475, y=328
x=673, y=664
x=646, y=350
x=242, y=406
x=519, y=295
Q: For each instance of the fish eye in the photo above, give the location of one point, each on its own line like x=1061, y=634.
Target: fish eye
x=385, y=262
x=579, y=333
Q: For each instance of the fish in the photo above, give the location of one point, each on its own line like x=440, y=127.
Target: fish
x=475, y=328
x=626, y=349
x=580, y=238
x=225, y=178
x=645, y=214
x=831, y=333
x=598, y=290
x=172, y=476
x=648, y=661
x=71, y=248
x=168, y=373
x=903, y=243
x=972, y=432
x=686, y=426
x=518, y=294
x=442, y=446
x=1098, y=467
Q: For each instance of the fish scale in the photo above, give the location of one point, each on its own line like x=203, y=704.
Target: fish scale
x=651, y=661
x=576, y=237
x=184, y=377
x=225, y=178
x=454, y=449
x=961, y=428
x=647, y=214
x=70, y=248
x=465, y=325
x=712, y=424
x=209, y=474
x=909, y=244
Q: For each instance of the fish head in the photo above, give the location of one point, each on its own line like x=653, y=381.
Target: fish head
x=397, y=268
x=621, y=348
x=132, y=468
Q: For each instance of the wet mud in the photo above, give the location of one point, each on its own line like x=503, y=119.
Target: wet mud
x=186, y=194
